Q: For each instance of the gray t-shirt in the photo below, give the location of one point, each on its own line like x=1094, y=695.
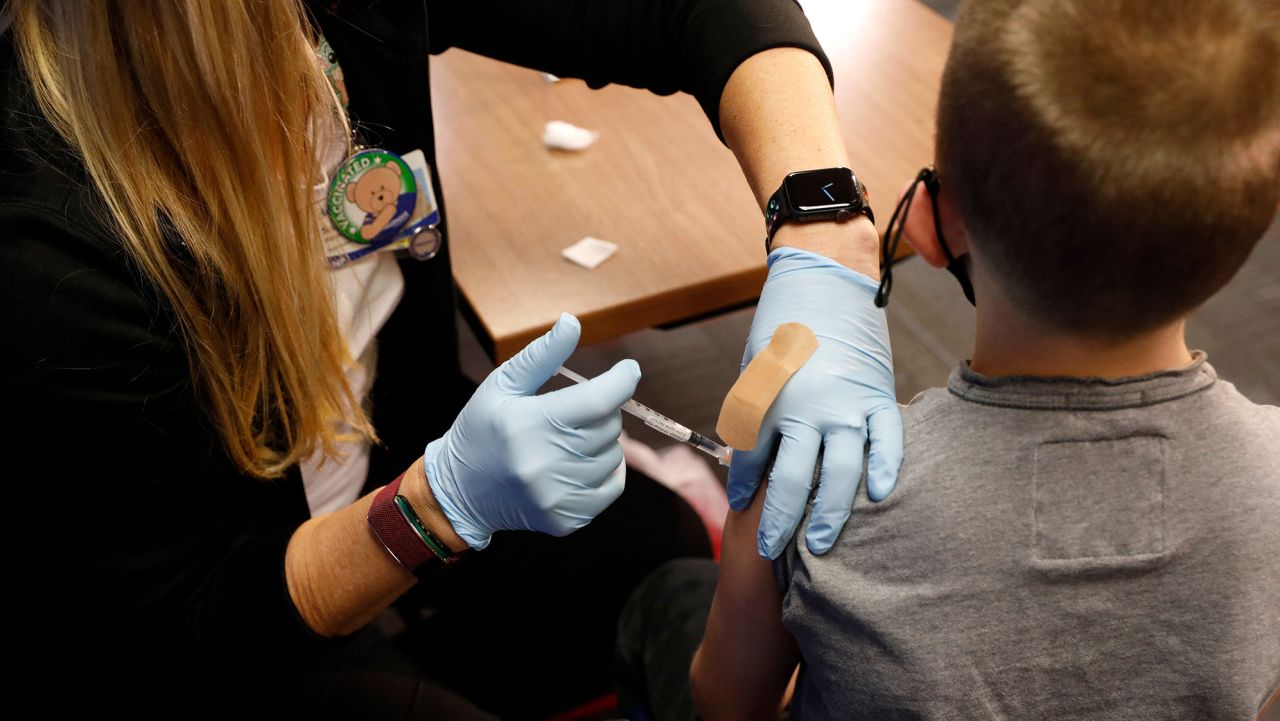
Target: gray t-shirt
x=1055, y=549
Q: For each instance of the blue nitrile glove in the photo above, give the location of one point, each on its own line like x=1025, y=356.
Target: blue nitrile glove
x=842, y=395
x=517, y=461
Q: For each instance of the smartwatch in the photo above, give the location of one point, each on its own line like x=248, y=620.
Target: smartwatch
x=813, y=195
x=402, y=533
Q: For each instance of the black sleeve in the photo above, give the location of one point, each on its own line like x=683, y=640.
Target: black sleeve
x=147, y=532
x=665, y=46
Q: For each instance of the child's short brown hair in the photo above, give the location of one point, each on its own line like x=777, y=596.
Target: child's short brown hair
x=1114, y=161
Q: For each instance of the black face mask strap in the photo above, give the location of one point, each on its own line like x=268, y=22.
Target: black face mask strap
x=893, y=236
x=954, y=267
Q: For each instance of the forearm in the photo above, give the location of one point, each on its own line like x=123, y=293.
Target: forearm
x=778, y=116
x=339, y=575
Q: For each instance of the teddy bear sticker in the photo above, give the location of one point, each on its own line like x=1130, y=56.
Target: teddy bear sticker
x=371, y=197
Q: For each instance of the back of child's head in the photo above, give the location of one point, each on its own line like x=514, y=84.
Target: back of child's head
x=1114, y=161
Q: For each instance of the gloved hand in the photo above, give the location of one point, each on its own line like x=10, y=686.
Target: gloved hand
x=840, y=397
x=517, y=461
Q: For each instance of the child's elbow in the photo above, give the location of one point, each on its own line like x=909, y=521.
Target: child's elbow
x=700, y=687
x=713, y=696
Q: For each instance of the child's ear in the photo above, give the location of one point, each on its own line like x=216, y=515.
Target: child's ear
x=921, y=234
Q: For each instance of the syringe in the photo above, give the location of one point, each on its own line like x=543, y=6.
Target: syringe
x=664, y=425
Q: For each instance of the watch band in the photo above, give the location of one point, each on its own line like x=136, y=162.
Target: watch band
x=775, y=214
x=779, y=209
x=401, y=533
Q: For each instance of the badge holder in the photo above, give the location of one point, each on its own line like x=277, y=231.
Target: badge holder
x=380, y=201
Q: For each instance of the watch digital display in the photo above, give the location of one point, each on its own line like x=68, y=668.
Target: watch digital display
x=819, y=190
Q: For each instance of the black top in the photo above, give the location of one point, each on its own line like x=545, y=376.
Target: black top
x=136, y=530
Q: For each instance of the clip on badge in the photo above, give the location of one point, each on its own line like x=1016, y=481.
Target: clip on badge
x=378, y=200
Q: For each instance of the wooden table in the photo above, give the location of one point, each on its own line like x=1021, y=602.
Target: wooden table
x=684, y=252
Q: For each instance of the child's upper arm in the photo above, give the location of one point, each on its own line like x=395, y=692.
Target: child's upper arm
x=747, y=657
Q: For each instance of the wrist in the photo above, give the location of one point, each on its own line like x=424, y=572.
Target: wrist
x=853, y=244
x=417, y=490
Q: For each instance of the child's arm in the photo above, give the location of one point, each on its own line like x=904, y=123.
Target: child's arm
x=742, y=669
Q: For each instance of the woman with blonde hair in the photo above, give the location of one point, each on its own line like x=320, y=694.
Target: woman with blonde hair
x=227, y=344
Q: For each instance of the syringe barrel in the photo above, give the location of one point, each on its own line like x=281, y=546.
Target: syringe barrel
x=657, y=421
x=664, y=425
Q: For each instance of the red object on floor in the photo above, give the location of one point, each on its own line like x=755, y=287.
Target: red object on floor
x=605, y=704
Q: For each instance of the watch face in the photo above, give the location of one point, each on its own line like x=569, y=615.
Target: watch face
x=821, y=190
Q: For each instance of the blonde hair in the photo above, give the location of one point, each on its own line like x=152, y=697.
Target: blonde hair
x=207, y=116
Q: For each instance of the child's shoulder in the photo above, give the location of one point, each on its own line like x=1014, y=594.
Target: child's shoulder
x=923, y=405
x=1239, y=421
